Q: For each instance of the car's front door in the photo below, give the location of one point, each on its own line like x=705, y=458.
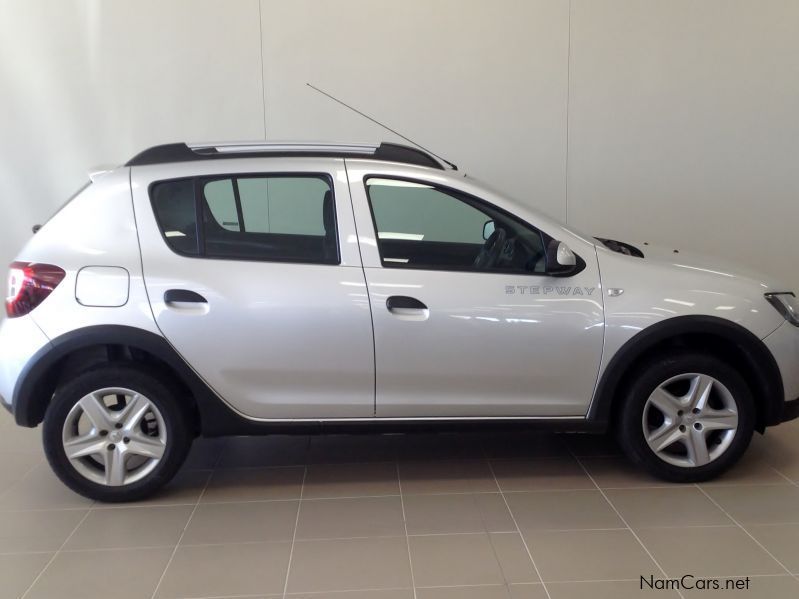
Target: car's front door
x=263, y=294
x=464, y=326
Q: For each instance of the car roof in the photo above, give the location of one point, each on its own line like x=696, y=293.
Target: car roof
x=183, y=152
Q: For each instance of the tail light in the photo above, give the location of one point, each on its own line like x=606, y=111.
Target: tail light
x=29, y=284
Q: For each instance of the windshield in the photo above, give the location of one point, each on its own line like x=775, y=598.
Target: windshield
x=568, y=228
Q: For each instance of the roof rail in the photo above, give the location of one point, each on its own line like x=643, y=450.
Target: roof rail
x=182, y=152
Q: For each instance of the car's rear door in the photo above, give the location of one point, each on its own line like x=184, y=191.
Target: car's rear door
x=452, y=340
x=263, y=294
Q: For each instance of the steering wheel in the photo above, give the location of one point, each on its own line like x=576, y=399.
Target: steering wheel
x=491, y=249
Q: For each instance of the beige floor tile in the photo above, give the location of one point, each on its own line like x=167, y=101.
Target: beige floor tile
x=781, y=540
x=466, y=476
x=528, y=591
x=21, y=439
x=184, y=489
x=40, y=530
x=494, y=591
x=463, y=512
x=219, y=570
x=341, y=518
x=566, y=510
x=368, y=594
x=714, y=551
x=254, y=484
x=759, y=587
x=242, y=522
x=760, y=504
x=454, y=560
x=40, y=489
x=541, y=474
x=351, y=480
x=518, y=591
x=513, y=558
x=605, y=590
x=618, y=472
x=15, y=465
x=577, y=555
x=468, y=559
x=332, y=449
x=129, y=573
x=256, y=452
x=670, y=506
x=17, y=572
x=127, y=527
x=349, y=564
x=754, y=468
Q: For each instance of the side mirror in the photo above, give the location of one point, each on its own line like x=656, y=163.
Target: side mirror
x=560, y=259
x=488, y=229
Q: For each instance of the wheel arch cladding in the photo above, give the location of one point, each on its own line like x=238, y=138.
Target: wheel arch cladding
x=725, y=339
x=78, y=350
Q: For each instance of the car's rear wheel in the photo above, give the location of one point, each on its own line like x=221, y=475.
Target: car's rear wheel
x=686, y=417
x=116, y=433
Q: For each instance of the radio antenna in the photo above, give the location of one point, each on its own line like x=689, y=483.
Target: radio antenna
x=386, y=127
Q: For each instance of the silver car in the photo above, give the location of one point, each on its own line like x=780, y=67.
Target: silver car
x=221, y=289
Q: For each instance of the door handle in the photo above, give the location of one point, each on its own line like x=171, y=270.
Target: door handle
x=403, y=302
x=183, y=296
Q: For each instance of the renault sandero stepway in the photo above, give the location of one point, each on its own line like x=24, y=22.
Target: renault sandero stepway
x=242, y=289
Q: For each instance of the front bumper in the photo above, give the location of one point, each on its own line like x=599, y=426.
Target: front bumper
x=784, y=346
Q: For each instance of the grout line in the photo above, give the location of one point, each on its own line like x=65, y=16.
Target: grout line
x=518, y=530
x=183, y=532
x=405, y=525
x=389, y=536
x=296, y=526
x=52, y=559
x=787, y=478
x=749, y=534
x=156, y=504
x=618, y=513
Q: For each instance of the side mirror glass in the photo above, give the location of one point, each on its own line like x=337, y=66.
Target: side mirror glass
x=488, y=229
x=560, y=259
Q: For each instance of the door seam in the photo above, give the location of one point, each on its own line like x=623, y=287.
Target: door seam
x=368, y=294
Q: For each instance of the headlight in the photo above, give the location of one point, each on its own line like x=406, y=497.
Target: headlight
x=786, y=304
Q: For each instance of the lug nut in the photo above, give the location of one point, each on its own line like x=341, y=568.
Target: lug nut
x=126, y=440
x=682, y=428
x=698, y=426
x=103, y=433
x=118, y=425
x=696, y=410
x=679, y=412
x=111, y=447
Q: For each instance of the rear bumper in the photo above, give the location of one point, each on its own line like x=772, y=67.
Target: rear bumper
x=790, y=410
x=20, y=340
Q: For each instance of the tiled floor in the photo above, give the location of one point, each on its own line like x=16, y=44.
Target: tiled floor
x=471, y=516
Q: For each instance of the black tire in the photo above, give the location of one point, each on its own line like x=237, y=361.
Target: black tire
x=630, y=429
x=177, y=420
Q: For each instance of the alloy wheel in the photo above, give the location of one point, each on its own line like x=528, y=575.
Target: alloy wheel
x=114, y=436
x=690, y=420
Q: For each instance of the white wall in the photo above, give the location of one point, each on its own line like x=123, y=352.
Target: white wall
x=671, y=121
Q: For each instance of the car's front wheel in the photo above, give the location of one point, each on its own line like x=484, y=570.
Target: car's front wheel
x=116, y=433
x=686, y=417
